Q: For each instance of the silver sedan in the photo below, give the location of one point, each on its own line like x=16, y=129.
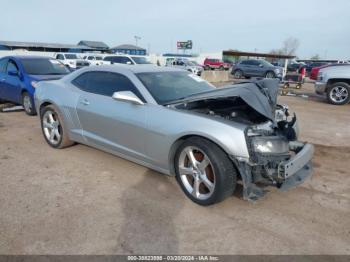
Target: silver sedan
x=178, y=124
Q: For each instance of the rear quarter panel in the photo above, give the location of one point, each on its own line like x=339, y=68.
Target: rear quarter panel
x=65, y=98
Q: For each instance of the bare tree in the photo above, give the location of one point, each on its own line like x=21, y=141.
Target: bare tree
x=315, y=57
x=290, y=46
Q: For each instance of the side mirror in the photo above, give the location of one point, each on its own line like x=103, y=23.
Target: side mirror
x=261, y=65
x=127, y=96
x=13, y=73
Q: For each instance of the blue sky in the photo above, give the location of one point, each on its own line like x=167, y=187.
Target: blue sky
x=322, y=27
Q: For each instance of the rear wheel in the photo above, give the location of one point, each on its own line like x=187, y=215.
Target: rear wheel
x=204, y=171
x=53, y=129
x=238, y=74
x=28, y=104
x=339, y=93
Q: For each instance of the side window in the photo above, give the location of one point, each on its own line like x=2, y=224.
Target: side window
x=3, y=63
x=60, y=57
x=245, y=62
x=90, y=58
x=11, y=66
x=255, y=62
x=125, y=60
x=105, y=83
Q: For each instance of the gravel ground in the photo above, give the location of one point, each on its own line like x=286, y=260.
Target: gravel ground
x=83, y=201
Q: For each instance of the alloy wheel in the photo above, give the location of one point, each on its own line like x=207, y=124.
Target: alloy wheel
x=52, y=127
x=196, y=173
x=27, y=104
x=338, y=94
x=270, y=75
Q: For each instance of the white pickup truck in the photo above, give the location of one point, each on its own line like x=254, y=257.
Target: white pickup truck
x=71, y=60
x=334, y=81
x=96, y=60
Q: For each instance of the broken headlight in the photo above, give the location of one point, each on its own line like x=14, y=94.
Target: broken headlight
x=270, y=145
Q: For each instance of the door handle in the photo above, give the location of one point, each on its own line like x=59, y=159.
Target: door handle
x=85, y=102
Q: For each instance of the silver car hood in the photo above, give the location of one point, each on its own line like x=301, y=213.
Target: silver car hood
x=260, y=95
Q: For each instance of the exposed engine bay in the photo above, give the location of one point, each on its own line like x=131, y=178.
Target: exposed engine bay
x=275, y=157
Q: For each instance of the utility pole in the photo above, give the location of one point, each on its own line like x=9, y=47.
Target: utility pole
x=137, y=38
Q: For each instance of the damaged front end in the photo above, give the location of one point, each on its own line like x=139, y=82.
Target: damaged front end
x=276, y=157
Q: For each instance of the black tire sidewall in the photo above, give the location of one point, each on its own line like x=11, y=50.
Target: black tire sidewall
x=330, y=89
x=222, y=166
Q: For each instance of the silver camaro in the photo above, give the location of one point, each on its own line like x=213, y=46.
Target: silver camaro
x=178, y=124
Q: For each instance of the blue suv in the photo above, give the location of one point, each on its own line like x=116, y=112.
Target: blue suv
x=19, y=76
x=256, y=68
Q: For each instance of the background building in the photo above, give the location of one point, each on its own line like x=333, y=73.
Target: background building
x=129, y=49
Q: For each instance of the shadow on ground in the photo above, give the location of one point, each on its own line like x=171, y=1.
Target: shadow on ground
x=149, y=220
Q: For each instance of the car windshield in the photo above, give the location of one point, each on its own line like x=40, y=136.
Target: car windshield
x=44, y=67
x=192, y=63
x=167, y=87
x=71, y=56
x=140, y=60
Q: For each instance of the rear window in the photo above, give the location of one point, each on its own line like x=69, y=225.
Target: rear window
x=44, y=67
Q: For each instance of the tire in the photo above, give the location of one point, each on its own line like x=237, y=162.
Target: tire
x=216, y=176
x=56, y=126
x=270, y=74
x=28, y=104
x=338, y=93
x=238, y=74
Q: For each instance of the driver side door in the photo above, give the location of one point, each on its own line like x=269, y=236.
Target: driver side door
x=108, y=124
x=12, y=84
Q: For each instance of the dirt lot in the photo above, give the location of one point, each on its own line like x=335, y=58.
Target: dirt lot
x=83, y=201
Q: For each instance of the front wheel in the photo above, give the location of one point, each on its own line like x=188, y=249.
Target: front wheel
x=52, y=126
x=270, y=74
x=238, y=74
x=339, y=93
x=28, y=104
x=204, y=171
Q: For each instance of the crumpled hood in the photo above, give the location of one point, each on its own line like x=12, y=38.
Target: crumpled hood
x=261, y=95
x=46, y=77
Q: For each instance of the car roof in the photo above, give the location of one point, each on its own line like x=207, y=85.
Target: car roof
x=24, y=57
x=142, y=68
x=149, y=68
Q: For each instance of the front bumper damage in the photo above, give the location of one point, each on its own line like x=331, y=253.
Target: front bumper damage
x=288, y=174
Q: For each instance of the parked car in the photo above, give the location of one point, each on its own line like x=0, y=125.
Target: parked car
x=256, y=68
x=186, y=65
x=213, y=63
x=19, y=76
x=127, y=59
x=334, y=82
x=71, y=60
x=178, y=124
x=95, y=60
